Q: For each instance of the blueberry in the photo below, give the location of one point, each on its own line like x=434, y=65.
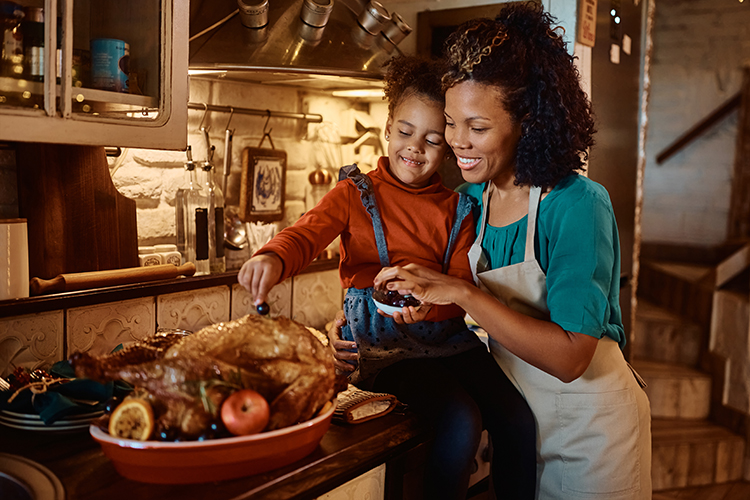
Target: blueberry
x=263, y=309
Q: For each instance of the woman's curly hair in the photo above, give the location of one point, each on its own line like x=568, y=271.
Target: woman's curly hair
x=523, y=54
x=411, y=75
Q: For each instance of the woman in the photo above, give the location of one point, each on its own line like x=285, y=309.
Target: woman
x=546, y=258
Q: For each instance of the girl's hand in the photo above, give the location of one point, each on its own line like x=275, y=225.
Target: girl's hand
x=343, y=359
x=259, y=274
x=430, y=287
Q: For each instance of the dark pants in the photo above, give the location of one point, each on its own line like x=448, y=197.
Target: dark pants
x=460, y=395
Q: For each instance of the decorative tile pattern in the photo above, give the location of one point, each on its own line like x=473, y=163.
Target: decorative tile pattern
x=32, y=341
x=193, y=310
x=316, y=298
x=99, y=329
x=279, y=298
x=370, y=485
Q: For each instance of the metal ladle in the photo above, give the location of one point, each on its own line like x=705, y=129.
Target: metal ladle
x=235, y=234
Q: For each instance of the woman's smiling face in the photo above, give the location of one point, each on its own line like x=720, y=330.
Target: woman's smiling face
x=480, y=131
x=416, y=144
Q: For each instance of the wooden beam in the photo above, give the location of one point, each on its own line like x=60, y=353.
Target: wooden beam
x=699, y=128
x=739, y=206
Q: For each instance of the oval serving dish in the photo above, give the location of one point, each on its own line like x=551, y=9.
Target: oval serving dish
x=214, y=459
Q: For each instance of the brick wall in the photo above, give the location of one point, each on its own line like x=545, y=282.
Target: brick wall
x=699, y=49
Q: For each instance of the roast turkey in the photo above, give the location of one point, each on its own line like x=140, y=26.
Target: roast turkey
x=189, y=375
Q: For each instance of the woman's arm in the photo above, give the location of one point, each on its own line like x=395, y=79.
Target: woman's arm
x=543, y=344
x=345, y=354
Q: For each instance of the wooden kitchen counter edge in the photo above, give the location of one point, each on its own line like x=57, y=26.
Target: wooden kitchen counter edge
x=345, y=452
x=65, y=300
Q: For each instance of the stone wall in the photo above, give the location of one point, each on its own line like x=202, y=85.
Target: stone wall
x=699, y=50
x=152, y=177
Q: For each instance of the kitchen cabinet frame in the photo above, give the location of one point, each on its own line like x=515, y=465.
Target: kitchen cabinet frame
x=62, y=126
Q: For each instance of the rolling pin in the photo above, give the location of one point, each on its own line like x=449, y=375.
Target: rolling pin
x=98, y=279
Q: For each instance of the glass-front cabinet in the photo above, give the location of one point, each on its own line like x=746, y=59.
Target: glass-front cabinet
x=94, y=72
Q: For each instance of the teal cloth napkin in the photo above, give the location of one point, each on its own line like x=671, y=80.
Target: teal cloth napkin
x=74, y=397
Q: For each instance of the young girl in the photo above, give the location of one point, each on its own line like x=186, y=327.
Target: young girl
x=398, y=214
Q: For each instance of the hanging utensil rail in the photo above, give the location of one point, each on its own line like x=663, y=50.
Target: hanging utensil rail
x=312, y=118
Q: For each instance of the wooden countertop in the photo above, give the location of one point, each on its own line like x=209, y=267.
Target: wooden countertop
x=345, y=452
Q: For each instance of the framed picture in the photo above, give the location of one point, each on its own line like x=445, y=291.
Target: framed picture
x=263, y=185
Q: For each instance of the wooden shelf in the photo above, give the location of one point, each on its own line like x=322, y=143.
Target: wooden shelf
x=120, y=100
x=52, y=302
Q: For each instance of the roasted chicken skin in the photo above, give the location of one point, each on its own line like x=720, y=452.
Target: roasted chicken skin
x=278, y=357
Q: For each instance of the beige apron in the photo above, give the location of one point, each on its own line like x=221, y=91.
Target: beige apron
x=594, y=434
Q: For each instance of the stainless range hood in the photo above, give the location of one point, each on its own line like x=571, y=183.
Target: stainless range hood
x=287, y=48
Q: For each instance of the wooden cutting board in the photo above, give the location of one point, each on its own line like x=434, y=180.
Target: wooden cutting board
x=263, y=185
x=77, y=220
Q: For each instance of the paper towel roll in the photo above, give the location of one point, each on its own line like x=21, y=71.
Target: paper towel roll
x=14, y=259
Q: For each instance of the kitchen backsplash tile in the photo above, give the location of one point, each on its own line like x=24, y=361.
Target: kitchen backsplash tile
x=194, y=309
x=316, y=298
x=31, y=341
x=279, y=298
x=99, y=329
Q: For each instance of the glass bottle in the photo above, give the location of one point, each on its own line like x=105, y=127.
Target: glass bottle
x=11, y=61
x=32, y=28
x=191, y=218
x=217, y=261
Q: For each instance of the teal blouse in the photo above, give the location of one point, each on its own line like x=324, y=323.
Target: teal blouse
x=578, y=248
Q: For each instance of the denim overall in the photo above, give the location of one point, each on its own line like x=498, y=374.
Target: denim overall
x=380, y=340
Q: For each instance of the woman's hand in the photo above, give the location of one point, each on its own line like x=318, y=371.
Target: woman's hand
x=259, y=274
x=430, y=287
x=343, y=358
x=409, y=315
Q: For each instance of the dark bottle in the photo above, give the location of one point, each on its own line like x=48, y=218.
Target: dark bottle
x=32, y=28
x=11, y=50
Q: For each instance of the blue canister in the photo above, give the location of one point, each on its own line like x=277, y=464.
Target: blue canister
x=110, y=61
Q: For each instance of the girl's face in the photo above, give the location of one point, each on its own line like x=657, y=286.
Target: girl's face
x=481, y=132
x=416, y=144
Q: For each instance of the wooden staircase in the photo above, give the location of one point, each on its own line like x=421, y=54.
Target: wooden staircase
x=670, y=343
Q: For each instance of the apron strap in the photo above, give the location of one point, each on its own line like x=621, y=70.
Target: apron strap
x=367, y=194
x=462, y=210
x=535, y=196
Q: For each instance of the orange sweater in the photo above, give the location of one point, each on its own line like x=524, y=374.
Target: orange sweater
x=416, y=222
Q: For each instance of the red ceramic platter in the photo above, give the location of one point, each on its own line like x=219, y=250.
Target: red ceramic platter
x=213, y=459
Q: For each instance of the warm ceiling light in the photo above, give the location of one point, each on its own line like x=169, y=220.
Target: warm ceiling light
x=359, y=93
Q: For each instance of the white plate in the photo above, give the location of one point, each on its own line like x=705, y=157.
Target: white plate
x=34, y=416
x=389, y=309
x=39, y=423
x=42, y=483
x=46, y=428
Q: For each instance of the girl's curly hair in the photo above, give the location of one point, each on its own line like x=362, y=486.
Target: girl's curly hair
x=411, y=75
x=523, y=54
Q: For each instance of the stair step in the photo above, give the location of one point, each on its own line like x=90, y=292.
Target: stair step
x=683, y=289
x=675, y=391
x=660, y=335
x=693, y=453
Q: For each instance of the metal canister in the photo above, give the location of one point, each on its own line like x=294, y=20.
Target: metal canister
x=253, y=13
x=110, y=64
x=373, y=17
x=397, y=29
x=315, y=13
